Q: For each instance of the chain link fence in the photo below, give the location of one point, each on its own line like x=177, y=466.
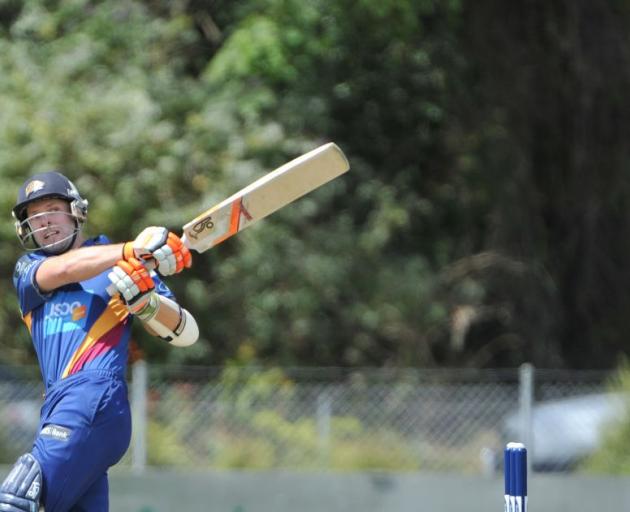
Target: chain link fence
x=343, y=420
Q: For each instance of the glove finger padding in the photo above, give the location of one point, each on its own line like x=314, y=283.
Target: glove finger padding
x=133, y=281
x=173, y=256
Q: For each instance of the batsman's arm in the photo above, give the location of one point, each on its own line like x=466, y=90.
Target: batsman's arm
x=76, y=265
x=172, y=323
x=160, y=315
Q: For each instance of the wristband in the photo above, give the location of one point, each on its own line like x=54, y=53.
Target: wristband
x=127, y=251
x=150, y=309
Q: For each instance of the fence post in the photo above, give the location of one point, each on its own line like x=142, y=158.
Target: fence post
x=139, y=385
x=526, y=401
x=324, y=407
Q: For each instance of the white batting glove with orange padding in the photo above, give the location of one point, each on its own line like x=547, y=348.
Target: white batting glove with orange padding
x=173, y=256
x=136, y=287
x=164, y=249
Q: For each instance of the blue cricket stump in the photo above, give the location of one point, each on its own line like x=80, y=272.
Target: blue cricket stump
x=515, y=472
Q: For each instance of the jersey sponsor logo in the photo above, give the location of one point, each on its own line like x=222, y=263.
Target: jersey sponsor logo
x=56, y=432
x=74, y=309
x=79, y=312
x=23, y=266
x=65, y=316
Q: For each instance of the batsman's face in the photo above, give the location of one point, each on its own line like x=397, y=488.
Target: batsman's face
x=50, y=222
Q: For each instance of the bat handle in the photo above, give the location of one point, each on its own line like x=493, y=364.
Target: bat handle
x=148, y=264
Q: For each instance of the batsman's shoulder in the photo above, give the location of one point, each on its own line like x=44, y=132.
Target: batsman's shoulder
x=97, y=240
x=26, y=262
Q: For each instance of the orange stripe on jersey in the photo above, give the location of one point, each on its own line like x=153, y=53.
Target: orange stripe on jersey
x=27, y=320
x=114, y=313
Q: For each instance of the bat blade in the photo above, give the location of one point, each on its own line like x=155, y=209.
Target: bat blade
x=264, y=196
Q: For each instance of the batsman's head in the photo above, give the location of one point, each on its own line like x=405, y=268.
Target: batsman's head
x=49, y=213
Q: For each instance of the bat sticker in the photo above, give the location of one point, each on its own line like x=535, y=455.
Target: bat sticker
x=203, y=225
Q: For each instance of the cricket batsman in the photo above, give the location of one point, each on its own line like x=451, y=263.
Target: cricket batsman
x=81, y=336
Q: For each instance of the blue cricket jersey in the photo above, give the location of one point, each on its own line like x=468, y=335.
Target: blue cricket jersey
x=77, y=326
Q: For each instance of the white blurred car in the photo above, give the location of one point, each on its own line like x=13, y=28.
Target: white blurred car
x=566, y=431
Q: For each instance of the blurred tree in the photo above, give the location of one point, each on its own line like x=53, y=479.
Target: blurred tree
x=353, y=282
x=96, y=90
x=555, y=76
x=483, y=222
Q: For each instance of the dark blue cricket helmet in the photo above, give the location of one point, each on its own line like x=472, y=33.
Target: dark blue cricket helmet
x=44, y=185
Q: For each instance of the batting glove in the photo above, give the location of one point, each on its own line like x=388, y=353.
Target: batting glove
x=173, y=256
x=158, y=245
x=133, y=282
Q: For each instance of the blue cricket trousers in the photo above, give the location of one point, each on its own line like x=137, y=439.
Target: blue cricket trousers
x=85, y=428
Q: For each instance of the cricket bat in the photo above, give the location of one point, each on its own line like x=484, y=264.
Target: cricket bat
x=264, y=196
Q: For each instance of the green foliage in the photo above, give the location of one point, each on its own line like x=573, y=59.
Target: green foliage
x=467, y=191
x=251, y=430
x=342, y=293
x=240, y=394
x=254, y=418
x=252, y=51
x=97, y=100
x=613, y=456
x=278, y=443
x=165, y=447
x=375, y=452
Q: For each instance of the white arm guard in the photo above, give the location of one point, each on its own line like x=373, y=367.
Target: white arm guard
x=184, y=334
